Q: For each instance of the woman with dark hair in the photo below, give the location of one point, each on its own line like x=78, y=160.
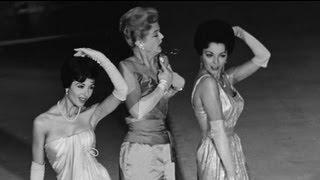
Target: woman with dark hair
x=65, y=133
x=216, y=103
x=146, y=152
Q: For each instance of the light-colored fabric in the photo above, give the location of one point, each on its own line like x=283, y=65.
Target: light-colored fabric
x=119, y=95
x=209, y=164
x=146, y=150
x=151, y=128
x=261, y=62
x=37, y=171
x=120, y=86
x=146, y=162
x=73, y=157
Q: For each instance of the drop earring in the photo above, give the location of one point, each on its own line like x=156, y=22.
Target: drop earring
x=140, y=45
x=67, y=91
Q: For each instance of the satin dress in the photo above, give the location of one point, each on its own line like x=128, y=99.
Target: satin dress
x=146, y=153
x=209, y=164
x=73, y=157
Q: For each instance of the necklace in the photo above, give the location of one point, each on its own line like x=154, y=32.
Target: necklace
x=64, y=116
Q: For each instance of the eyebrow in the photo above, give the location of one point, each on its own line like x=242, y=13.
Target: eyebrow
x=156, y=31
x=213, y=52
x=79, y=83
x=82, y=83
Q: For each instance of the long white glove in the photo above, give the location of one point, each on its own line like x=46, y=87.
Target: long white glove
x=139, y=106
x=262, y=55
x=37, y=171
x=121, y=88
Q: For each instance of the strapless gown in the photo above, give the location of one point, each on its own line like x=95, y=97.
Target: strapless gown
x=73, y=157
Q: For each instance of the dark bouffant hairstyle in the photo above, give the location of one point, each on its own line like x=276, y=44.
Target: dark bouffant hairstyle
x=216, y=31
x=137, y=22
x=78, y=69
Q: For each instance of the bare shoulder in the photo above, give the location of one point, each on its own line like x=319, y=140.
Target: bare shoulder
x=208, y=82
x=205, y=84
x=129, y=62
x=208, y=88
x=41, y=122
x=44, y=120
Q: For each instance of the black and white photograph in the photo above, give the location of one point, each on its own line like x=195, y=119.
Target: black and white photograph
x=159, y=90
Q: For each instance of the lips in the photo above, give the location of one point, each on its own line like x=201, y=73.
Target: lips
x=82, y=100
x=215, y=68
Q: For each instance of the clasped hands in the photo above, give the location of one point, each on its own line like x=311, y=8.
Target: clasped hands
x=167, y=74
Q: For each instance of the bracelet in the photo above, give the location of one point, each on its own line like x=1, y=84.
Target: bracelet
x=176, y=89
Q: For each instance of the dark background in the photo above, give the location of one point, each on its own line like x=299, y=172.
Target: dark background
x=279, y=127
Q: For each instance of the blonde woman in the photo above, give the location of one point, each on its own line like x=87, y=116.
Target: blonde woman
x=146, y=152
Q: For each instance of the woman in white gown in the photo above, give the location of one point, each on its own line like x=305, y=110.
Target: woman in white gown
x=217, y=104
x=65, y=133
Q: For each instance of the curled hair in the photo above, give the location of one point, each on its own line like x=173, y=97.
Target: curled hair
x=78, y=69
x=135, y=23
x=216, y=31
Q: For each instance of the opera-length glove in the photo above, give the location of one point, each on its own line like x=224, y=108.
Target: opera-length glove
x=37, y=171
x=263, y=62
x=262, y=54
x=120, y=87
x=145, y=105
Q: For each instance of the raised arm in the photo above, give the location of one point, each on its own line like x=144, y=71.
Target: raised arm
x=119, y=93
x=209, y=94
x=260, y=59
x=139, y=106
x=37, y=165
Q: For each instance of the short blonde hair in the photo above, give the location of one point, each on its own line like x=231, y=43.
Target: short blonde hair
x=135, y=23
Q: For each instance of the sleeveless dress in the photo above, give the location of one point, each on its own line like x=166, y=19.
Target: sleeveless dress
x=73, y=157
x=146, y=153
x=209, y=164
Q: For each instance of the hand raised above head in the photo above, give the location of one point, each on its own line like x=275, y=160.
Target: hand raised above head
x=91, y=53
x=238, y=31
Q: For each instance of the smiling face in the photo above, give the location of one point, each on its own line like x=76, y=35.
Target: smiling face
x=153, y=39
x=80, y=92
x=214, y=58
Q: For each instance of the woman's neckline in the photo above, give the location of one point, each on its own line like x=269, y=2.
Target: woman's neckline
x=69, y=136
x=224, y=77
x=151, y=74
